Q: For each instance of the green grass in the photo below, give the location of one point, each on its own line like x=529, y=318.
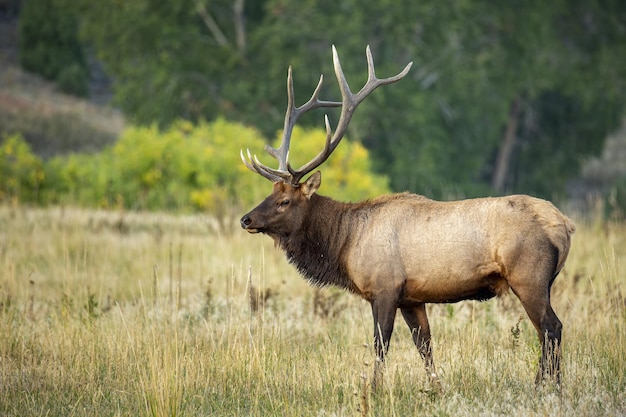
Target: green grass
x=126, y=314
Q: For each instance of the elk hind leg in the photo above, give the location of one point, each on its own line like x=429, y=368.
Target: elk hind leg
x=417, y=320
x=550, y=365
x=536, y=302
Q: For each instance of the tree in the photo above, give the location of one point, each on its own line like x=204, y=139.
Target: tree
x=49, y=45
x=171, y=59
x=462, y=123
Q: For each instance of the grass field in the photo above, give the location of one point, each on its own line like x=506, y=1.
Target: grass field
x=127, y=314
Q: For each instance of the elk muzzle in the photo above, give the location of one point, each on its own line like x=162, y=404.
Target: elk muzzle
x=246, y=224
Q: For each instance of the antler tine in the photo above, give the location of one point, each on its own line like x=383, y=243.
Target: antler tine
x=373, y=82
x=350, y=102
x=281, y=154
x=253, y=164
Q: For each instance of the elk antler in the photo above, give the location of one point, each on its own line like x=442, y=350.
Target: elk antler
x=349, y=103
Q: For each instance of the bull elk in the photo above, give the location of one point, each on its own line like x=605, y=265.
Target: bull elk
x=402, y=251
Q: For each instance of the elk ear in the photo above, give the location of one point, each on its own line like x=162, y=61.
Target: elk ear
x=310, y=186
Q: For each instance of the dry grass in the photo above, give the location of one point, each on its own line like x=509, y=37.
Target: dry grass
x=125, y=314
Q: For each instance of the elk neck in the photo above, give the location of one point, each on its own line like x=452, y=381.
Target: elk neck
x=317, y=249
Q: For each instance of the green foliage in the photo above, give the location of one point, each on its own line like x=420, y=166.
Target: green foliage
x=74, y=79
x=75, y=179
x=166, y=63
x=21, y=172
x=554, y=139
x=182, y=167
x=196, y=167
x=437, y=132
x=49, y=45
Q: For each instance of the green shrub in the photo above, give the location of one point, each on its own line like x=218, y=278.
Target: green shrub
x=199, y=167
x=21, y=172
x=182, y=167
x=74, y=179
x=185, y=167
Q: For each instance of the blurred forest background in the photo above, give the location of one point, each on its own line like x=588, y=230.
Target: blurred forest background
x=504, y=97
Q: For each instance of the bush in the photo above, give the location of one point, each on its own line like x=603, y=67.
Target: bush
x=198, y=167
x=73, y=179
x=21, y=172
x=184, y=168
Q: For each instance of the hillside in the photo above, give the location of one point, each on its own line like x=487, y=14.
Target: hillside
x=52, y=122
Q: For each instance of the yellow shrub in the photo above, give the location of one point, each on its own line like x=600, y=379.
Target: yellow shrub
x=21, y=172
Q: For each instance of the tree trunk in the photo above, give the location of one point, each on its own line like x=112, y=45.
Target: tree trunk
x=498, y=181
x=212, y=25
x=240, y=30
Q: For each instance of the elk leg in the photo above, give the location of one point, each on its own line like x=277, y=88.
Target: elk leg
x=384, y=312
x=550, y=338
x=417, y=320
x=548, y=328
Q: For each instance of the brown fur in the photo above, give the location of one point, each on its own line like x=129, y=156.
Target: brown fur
x=402, y=251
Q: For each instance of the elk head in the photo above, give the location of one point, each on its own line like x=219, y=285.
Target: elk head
x=284, y=210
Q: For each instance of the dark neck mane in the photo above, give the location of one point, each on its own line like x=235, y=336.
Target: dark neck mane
x=317, y=249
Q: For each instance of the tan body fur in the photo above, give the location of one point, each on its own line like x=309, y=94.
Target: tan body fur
x=402, y=251
x=450, y=251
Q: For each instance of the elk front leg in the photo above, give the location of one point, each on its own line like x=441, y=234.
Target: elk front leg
x=384, y=311
x=417, y=320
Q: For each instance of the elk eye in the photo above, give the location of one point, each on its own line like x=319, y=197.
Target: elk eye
x=284, y=203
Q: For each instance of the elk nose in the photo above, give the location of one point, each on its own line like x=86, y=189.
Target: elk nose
x=245, y=221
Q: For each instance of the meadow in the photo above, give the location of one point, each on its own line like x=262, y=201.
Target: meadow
x=114, y=313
